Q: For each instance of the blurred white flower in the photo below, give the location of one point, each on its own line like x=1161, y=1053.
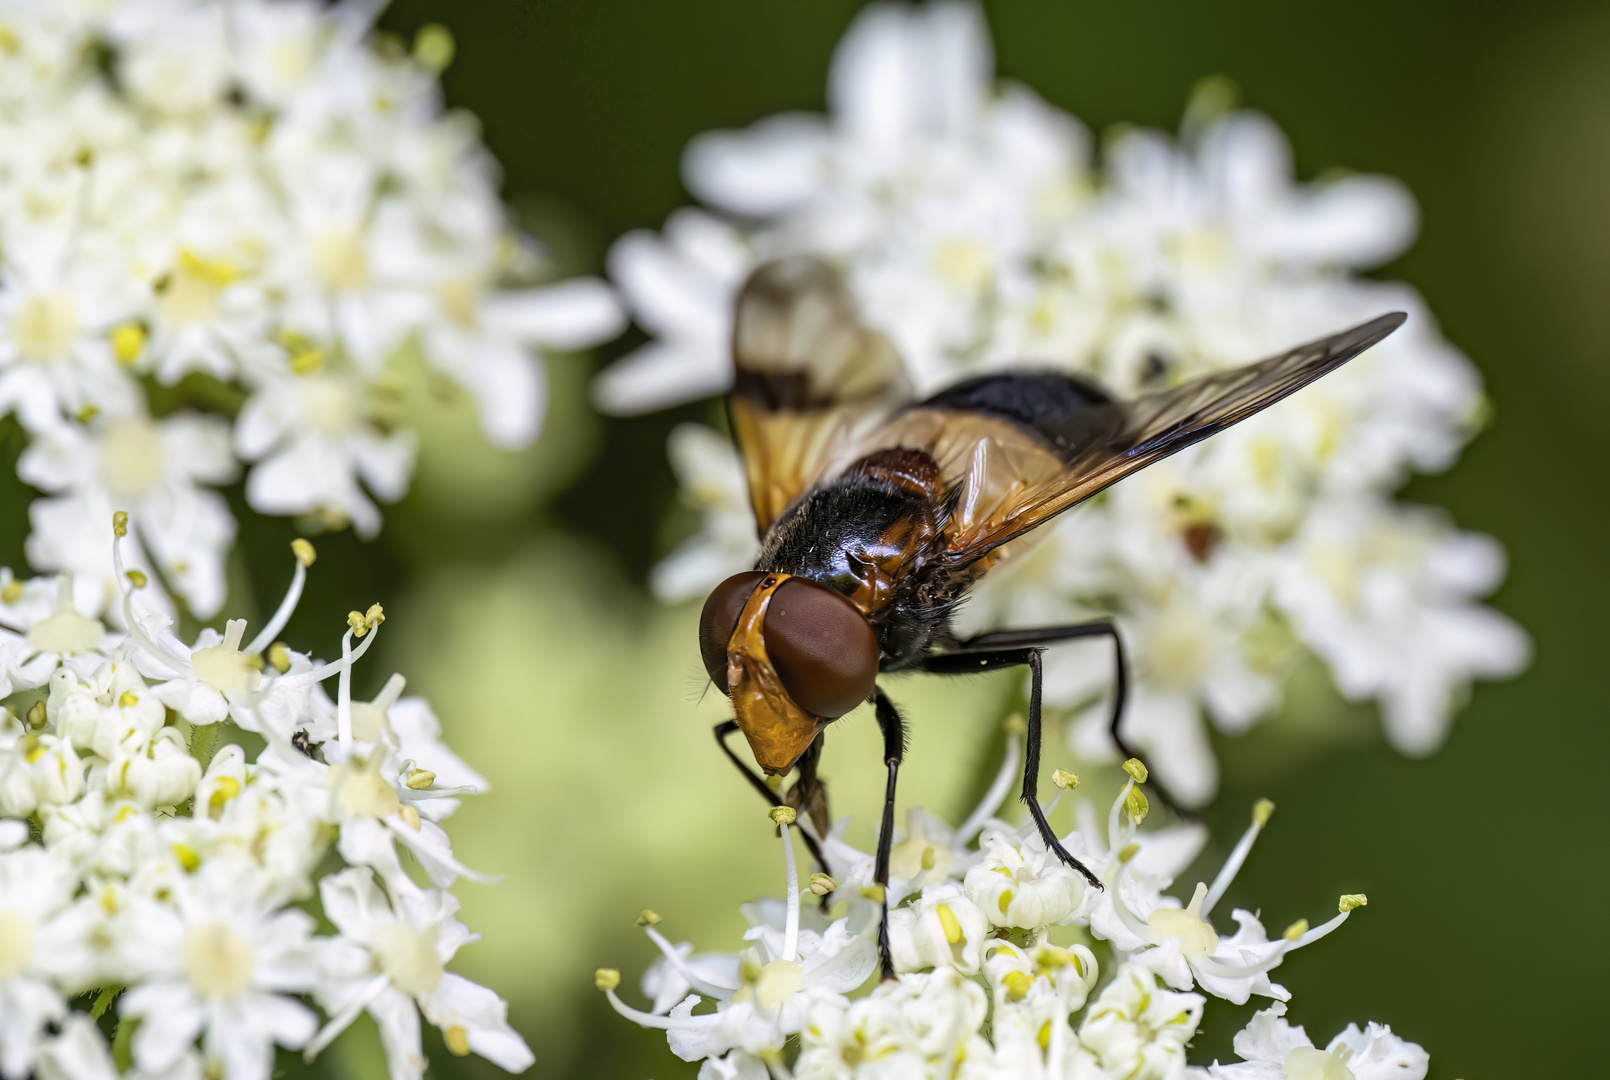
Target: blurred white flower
x=1271, y=1049
x=247, y=200
x=1386, y=594
x=974, y=232
x=151, y=469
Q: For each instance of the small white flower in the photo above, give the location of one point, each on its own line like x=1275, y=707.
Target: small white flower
x=313, y=442
x=1139, y=1029
x=681, y=288
x=1271, y=1049
x=1386, y=594
x=390, y=961
x=230, y=961
x=713, y=486
x=34, y=887
x=152, y=470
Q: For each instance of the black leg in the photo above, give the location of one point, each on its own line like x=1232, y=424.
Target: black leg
x=894, y=748
x=1002, y=640
x=809, y=793
x=961, y=663
x=727, y=727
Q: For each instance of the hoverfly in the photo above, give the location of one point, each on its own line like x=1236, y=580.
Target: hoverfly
x=877, y=513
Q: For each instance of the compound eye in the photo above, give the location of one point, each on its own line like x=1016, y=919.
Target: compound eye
x=822, y=647
x=720, y=618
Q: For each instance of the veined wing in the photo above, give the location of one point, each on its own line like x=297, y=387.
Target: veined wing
x=1014, y=450
x=810, y=379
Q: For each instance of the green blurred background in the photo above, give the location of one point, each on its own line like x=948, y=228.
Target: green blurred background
x=515, y=582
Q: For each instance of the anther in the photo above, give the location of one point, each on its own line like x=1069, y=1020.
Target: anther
x=1136, y=805
x=1296, y=930
x=606, y=978
x=821, y=884
x=138, y=579
x=648, y=917
x=120, y=523
x=303, y=551
x=781, y=815
x=409, y=815
x=1136, y=769
x=1064, y=779
x=1351, y=900
x=420, y=779
x=1261, y=812
x=279, y=657
x=36, y=715
x=1016, y=725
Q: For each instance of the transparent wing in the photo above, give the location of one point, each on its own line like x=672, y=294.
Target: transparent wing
x=1003, y=488
x=811, y=379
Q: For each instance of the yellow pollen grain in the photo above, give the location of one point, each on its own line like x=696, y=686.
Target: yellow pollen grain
x=128, y=341
x=948, y=921
x=457, y=1041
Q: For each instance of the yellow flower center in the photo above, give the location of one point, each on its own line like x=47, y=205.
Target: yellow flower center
x=132, y=461
x=16, y=942
x=339, y=259
x=408, y=957
x=45, y=326
x=1307, y=1063
x=216, y=960
x=1194, y=932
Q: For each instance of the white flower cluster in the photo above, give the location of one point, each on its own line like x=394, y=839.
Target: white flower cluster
x=140, y=858
x=267, y=200
x=976, y=234
x=981, y=991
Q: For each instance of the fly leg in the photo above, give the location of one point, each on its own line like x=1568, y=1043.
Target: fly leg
x=955, y=664
x=727, y=727
x=809, y=794
x=894, y=748
x=1051, y=635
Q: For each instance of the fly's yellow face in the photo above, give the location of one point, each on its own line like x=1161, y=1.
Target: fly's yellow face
x=791, y=654
x=777, y=728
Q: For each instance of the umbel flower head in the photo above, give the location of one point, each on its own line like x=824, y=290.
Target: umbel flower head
x=265, y=205
x=977, y=232
x=997, y=974
x=146, y=856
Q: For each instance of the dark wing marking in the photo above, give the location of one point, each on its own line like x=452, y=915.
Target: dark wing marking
x=810, y=379
x=1101, y=444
